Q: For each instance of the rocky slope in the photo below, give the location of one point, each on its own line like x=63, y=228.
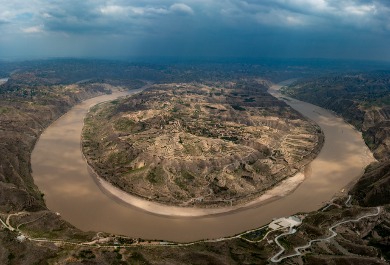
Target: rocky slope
x=363, y=99
x=362, y=242
x=24, y=113
x=373, y=188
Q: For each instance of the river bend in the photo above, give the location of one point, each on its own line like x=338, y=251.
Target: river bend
x=61, y=173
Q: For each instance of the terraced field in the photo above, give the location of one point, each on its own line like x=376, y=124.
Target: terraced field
x=196, y=144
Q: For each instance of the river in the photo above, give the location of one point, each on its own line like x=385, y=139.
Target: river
x=61, y=173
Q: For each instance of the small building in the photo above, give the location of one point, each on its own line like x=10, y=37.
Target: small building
x=284, y=222
x=21, y=238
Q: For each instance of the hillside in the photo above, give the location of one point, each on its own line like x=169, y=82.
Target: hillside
x=196, y=144
x=24, y=113
x=363, y=99
x=27, y=108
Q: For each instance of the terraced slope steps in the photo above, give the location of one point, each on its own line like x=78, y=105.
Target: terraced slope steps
x=195, y=144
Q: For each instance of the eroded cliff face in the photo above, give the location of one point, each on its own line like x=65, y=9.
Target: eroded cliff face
x=373, y=188
x=376, y=128
x=194, y=144
x=24, y=113
x=363, y=100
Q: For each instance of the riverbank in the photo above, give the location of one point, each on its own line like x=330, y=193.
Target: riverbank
x=282, y=189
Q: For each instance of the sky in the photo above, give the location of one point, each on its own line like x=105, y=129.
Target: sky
x=339, y=29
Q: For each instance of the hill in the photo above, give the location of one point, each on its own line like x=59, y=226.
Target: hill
x=196, y=144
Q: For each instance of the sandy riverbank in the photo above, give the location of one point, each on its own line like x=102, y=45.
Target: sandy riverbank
x=284, y=188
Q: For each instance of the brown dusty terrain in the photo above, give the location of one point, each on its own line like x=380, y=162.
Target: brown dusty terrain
x=363, y=99
x=362, y=242
x=193, y=144
x=24, y=113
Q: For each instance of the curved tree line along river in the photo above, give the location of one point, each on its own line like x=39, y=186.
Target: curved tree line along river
x=61, y=173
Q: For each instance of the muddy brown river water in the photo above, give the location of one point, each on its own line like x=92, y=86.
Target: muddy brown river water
x=61, y=173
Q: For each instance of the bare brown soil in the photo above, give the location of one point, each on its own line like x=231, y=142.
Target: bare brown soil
x=26, y=110
x=363, y=100
x=24, y=113
x=195, y=144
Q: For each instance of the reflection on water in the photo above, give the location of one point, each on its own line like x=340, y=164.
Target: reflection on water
x=62, y=175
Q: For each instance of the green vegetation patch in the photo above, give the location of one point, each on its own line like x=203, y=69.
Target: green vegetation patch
x=4, y=110
x=138, y=258
x=257, y=234
x=11, y=256
x=124, y=124
x=237, y=107
x=86, y=254
x=135, y=170
x=118, y=158
x=185, y=179
x=233, y=139
x=187, y=176
x=156, y=175
x=175, y=109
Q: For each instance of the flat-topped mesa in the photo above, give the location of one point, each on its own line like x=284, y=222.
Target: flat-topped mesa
x=196, y=144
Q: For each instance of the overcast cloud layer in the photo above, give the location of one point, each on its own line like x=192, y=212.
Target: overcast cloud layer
x=358, y=29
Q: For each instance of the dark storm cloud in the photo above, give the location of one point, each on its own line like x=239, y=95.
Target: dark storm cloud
x=106, y=18
x=295, y=28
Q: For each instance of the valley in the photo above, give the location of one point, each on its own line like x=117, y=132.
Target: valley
x=342, y=230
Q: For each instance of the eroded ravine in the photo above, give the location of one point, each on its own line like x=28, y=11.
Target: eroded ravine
x=62, y=175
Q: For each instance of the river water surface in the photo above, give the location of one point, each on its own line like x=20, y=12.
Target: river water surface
x=61, y=173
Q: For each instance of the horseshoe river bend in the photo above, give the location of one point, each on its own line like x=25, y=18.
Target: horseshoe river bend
x=83, y=199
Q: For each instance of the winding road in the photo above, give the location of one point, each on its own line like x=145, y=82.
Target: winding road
x=109, y=242
x=277, y=258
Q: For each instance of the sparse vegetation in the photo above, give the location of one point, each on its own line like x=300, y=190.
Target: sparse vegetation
x=191, y=145
x=39, y=92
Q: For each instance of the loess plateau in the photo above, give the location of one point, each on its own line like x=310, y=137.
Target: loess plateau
x=194, y=144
